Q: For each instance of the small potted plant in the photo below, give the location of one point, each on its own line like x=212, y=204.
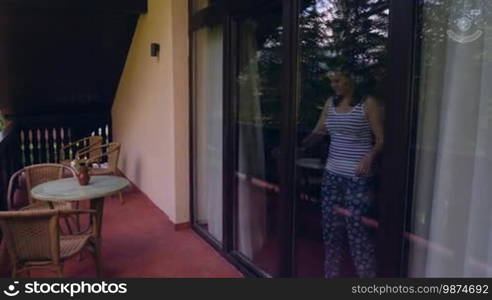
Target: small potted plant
x=82, y=169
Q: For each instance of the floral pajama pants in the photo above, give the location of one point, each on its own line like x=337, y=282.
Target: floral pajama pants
x=344, y=201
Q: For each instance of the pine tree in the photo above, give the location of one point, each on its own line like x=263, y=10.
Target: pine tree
x=357, y=42
x=313, y=49
x=333, y=35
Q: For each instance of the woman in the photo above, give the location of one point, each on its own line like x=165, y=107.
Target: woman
x=354, y=124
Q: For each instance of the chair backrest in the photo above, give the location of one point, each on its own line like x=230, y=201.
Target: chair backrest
x=111, y=152
x=81, y=145
x=31, y=235
x=41, y=173
x=16, y=184
x=94, y=142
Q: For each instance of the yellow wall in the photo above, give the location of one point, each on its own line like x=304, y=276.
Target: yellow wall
x=150, y=113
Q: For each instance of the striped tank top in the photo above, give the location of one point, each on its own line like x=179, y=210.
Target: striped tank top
x=350, y=139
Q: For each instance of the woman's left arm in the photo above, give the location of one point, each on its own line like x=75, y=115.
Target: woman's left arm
x=374, y=113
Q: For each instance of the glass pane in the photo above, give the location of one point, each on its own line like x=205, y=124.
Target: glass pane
x=258, y=125
x=343, y=51
x=450, y=233
x=207, y=128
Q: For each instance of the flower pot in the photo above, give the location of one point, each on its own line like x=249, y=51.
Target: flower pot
x=83, y=175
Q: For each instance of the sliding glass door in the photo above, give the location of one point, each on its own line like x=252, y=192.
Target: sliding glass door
x=258, y=132
x=342, y=67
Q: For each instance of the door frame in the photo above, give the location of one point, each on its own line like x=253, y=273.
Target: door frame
x=399, y=139
x=236, y=16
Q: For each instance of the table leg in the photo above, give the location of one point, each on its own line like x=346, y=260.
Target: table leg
x=98, y=205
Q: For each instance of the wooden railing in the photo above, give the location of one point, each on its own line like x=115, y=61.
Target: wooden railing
x=34, y=140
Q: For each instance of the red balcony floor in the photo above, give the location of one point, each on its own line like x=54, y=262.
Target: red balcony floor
x=140, y=241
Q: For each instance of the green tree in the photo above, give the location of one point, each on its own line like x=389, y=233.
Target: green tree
x=313, y=63
x=333, y=34
x=358, y=38
x=340, y=34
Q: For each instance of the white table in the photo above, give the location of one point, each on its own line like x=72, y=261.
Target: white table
x=308, y=170
x=69, y=189
x=310, y=163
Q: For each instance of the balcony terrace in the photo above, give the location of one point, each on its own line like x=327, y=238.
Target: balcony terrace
x=140, y=241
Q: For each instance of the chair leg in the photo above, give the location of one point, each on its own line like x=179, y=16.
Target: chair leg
x=3, y=248
x=77, y=222
x=67, y=223
x=122, y=200
x=14, y=271
x=97, y=258
x=77, y=217
x=59, y=270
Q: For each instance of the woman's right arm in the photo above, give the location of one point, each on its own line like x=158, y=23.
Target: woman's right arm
x=319, y=130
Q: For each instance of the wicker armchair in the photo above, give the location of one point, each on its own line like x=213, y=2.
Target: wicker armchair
x=38, y=174
x=41, y=173
x=33, y=240
x=104, y=160
x=15, y=184
x=78, y=146
x=34, y=175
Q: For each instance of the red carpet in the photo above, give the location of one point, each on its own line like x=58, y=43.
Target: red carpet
x=140, y=241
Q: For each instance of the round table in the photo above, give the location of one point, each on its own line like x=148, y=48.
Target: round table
x=310, y=163
x=69, y=189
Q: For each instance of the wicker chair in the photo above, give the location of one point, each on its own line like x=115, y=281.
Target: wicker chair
x=33, y=240
x=34, y=175
x=104, y=160
x=15, y=184
x=41, y=173
x=104, y=157
x=78, y=146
